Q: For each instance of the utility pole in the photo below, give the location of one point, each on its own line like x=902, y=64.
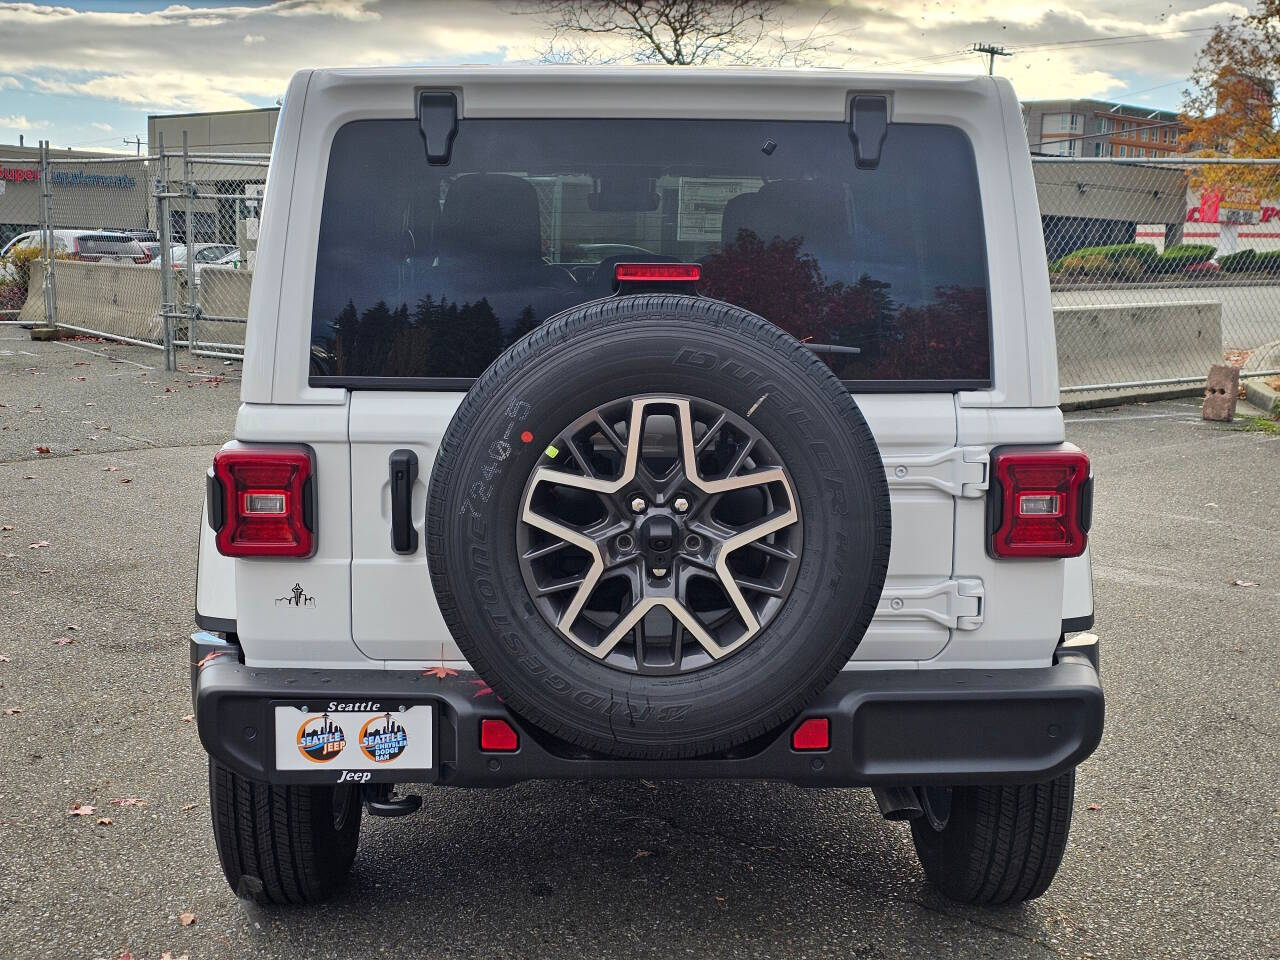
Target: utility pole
x=992, y=51
x=137, y=142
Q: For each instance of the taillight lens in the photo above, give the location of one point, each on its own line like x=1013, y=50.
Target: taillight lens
x=143, y=257
x=265, y=508
x=1040, y=503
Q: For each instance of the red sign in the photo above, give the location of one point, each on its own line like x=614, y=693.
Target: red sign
x=18, y=173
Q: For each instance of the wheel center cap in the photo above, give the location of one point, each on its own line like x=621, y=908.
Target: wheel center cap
x=658, y=538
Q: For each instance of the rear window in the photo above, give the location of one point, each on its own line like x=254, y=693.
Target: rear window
x=109, y=245
x=428, y=272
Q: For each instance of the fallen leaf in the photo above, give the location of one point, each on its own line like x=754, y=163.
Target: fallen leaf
x=640, y=854
x=104, y=821
x=65, y=641
x=125, y=480
x=110, y=469
x=188, y=806
x=1093, y=806
x=187, y=919
x=129, y=802
x=79, y=809
x=210, y=657
x=6, y=527
x=168, y=955
x=187, y=717
x=440, y=673
x=1243, y=583
x=37, y=545
x=72, y=626
x=42, y=450
x=3, y=658
x=12, y=711
x=77, y=378
x=483, y=689
x=125, y=956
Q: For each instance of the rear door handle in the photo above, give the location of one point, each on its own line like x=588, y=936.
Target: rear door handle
x=403, y=468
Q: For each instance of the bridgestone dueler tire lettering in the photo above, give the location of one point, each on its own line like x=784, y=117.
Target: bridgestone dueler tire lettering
x=666, y=345
x=1001, y=844
x=280, y=844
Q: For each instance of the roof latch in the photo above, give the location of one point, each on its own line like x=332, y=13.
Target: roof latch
x=438, y=121
x=868, y=125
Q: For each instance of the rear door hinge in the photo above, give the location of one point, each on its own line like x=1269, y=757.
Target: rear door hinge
x=960, y=471
x=954, y=604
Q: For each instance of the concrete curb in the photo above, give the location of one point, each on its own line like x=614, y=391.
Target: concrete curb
x=1262, y=396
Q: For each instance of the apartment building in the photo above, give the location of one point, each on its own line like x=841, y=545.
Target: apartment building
x=1099, y=128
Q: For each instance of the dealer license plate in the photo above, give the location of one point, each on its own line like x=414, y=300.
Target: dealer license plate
x=355, y=740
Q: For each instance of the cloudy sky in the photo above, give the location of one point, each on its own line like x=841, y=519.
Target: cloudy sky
x=88, y=72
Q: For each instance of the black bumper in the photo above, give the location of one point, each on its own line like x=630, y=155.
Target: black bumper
x=887, y=727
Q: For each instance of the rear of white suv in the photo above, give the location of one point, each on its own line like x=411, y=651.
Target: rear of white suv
x=647, y=423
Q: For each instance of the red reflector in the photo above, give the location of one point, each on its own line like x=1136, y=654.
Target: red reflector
x=813, y=734
x=498, y=736
x=1039, y=503
x=658, y=272
x=264, y=496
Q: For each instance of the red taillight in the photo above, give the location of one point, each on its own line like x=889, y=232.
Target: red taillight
x=144, y=257
x=1040, y=503
x=498, y=736
x=658, y=272
x=265, y=508
x=812, y=734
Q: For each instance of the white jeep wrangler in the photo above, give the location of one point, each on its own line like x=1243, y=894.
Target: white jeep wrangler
x=647, y=423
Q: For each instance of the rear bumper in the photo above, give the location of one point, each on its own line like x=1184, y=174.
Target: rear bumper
x=887, y=727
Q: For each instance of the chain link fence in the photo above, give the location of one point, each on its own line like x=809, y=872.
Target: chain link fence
x=19, y=235
x=1160, y=268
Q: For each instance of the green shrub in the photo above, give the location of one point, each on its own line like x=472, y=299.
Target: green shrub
x=1180, y=256
x=1268, y=261
x=1117, y=260
x=1241, y=261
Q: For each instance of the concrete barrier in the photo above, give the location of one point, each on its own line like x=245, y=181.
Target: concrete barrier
x=224, y=293
x=111, y=299
x=1138, y=341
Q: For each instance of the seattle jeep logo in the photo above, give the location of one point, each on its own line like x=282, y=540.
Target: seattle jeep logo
x=320, y=739
x=382, y=739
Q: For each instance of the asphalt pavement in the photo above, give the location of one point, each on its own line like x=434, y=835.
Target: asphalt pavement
x=1175, y=850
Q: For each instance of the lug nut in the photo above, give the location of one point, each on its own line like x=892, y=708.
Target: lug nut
x=681, y=504
x=626, y=542
x=638, y=505
x=693, y=542
x=659, y=571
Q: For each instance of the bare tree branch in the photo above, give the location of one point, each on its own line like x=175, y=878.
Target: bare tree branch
x=676, y=32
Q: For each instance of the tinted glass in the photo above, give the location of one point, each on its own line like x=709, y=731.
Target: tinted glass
x=430, y=271
x=109, y=245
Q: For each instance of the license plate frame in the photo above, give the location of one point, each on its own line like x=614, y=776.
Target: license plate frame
x=355, y=742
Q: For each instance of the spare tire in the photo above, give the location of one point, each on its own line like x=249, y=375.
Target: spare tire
x=658, y=526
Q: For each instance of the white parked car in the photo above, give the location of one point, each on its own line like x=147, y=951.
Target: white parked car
x=785, y=498
x=91, y=246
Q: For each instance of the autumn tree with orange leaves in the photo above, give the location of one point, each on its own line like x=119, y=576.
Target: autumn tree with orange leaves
x=1230, y=109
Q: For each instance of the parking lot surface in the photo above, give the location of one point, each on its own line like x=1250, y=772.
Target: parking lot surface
x=1175, y=850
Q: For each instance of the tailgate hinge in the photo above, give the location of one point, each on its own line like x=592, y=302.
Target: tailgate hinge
x=954, y=604
x=960, y=471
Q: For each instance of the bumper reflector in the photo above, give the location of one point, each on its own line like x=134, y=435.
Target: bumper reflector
x=498, y=736
x=813, y=734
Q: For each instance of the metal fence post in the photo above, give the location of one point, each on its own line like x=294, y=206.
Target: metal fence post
x=47, y=240
x=166, y=254
x=193, y=289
